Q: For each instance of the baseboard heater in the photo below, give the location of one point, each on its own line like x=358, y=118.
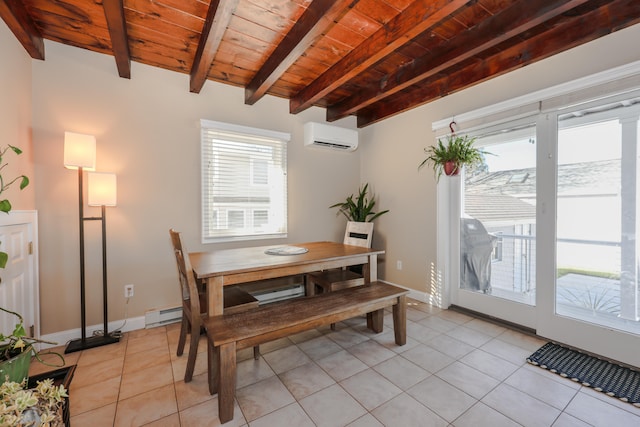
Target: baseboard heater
x=163, y=316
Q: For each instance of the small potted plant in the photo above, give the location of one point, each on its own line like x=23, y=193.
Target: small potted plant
x=360, y=209
x=16, y=350
x=41, y=406
x=449, y=157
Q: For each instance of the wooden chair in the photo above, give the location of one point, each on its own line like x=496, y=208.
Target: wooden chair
x=356, y=234
x=195, y=304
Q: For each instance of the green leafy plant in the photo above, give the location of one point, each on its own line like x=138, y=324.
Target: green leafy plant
x=41, y=406
x=18, y=342
x=450, y=157
x=360, y=209
x=5, y=205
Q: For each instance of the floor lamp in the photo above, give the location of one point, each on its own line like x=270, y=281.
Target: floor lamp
x=80, y=154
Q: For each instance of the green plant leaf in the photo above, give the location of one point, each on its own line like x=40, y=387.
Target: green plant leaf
x=4, y=257
x=5, y=206
x=15, y=149
x=24, y=182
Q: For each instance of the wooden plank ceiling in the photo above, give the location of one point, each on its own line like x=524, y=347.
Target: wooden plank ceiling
x=369, y=58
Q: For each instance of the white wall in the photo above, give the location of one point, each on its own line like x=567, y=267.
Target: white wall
x=393, y=148
x=15, y=117
x=147, y=133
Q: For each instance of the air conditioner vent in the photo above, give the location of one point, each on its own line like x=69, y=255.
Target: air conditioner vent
x=330, y=137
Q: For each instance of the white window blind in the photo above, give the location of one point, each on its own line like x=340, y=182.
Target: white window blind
x=244, y=182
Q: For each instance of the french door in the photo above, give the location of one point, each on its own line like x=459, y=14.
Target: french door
x=548, y=231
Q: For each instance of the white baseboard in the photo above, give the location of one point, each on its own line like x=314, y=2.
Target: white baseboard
x=417, y=295
x=63, y=337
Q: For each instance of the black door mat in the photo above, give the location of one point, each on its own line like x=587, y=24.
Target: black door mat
x=601, y=375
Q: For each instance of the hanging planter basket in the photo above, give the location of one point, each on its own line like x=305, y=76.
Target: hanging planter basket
x=451, y=168
x=16, y=369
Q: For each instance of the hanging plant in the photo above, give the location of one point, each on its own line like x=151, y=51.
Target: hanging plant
x=449, y=157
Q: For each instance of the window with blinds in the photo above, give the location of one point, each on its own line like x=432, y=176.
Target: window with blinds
x=244, y=182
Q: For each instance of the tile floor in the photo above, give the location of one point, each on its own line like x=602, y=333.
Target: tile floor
x=455, y=370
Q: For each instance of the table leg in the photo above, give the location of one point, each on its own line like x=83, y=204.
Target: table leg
x=215, y=296
x=373, y=268
x=400, y=320
x=227, y=381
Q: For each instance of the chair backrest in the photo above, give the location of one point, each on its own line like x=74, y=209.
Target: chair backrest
x=187, y=281
x=358, y=234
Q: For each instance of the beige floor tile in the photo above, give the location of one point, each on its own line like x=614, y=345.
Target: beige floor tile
x=542, y=388
x=251, y=371
x=469, y=336
x=367, y=420
x=428, y=358
x=83, y=399
x=486, y=327
x=403, y=410
x=179, y=366
x=99, y=354
x=421, y=333
x=192, y=393
x=482, y=415
x=599, y=413
x=306, y=380
x=442, y=398
x=521, y=407
x=371, y=352
x=489, y=364
x=154, y=341
x=401, y=372
x=206, y=415
x=285, y=359
x=97, y=372
x=144, y=359
x=467, y=379
x=263, y=398
x=146, y=407
x=319, y=347
x=290, y=415
x=172, y=420
x=143, y=380
x=332, y=406
x=388, y=339
x=370, y=388
x=346, y=337
x=439, y=324
x=341, y=365
x=100, y=417
x=450, y=346
x=512, y=353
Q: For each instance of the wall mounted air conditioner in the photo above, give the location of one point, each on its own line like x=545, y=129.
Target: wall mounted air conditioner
x=332, y=137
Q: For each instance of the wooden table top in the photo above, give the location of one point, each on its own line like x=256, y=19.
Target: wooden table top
x=240, y=260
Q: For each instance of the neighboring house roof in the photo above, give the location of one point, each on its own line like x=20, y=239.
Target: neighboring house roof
x=510, y=195
x=495, y=208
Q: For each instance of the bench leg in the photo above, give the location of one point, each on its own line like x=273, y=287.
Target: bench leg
x=400, y=320
x=375, y=320
x=227, y=381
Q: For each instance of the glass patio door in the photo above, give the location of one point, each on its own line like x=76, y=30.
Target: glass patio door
x=596, y=256
x=497, y=230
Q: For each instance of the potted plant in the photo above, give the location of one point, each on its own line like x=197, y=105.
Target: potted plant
x=5, y=205
x=360, y=209
x=16, y=350
x=41, y=406
x=450, y=157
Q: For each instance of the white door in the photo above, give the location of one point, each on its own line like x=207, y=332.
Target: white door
x=18, y=280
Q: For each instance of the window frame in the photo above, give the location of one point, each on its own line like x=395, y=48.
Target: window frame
x=255, y=140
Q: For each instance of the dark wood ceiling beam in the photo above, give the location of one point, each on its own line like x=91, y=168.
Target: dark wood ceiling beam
x=573, y=32
x=318, y=18
x=418, y=17
x=15, y=15
x=218, y=17
x=515, y=20
x=114, y=12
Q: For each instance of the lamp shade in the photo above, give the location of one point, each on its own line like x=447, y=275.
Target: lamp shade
x=102, y=189
x=79, y=151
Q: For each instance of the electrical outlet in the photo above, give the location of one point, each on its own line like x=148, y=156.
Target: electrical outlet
x=399, y=265
x=128, y=291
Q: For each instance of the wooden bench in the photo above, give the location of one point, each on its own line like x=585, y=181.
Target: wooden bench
x=228, y=333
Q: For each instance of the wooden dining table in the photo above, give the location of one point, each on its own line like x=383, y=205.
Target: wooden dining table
x=225, y=267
